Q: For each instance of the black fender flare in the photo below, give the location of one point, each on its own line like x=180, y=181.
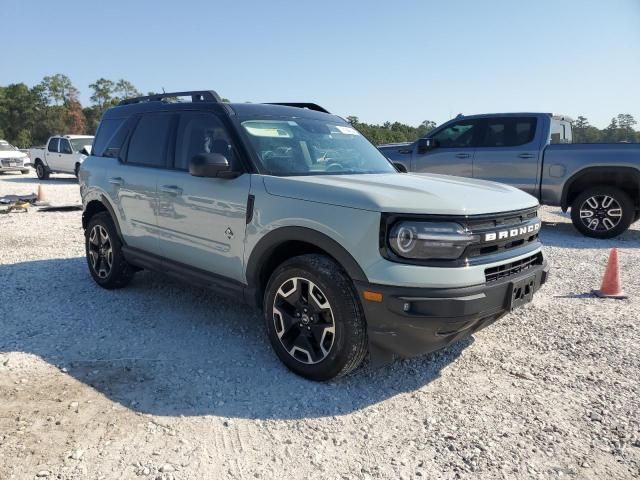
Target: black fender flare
x=267, y=245
x=107, y=205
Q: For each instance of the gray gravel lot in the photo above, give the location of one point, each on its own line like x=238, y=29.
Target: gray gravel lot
x=162, y=380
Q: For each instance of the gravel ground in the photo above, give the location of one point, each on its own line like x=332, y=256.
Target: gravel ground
x=162, y=380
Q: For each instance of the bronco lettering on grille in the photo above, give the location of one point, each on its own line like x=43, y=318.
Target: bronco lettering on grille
x=512, y=232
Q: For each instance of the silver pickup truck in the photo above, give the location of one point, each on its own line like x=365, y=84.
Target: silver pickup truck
x=534, y=152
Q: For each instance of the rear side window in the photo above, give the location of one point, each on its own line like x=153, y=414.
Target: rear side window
x=149, y=141
x=560, y=132
x=65, y=146
x=201, y=132
x=106, y=131
x=53, y=145
x=508, y=131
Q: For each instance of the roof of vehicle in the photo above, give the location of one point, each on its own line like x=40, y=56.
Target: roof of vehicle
x=199, y=98
x=515, y=114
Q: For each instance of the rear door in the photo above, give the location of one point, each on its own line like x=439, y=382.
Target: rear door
x=508, y=152
x=201, y=220
x=134, y=181
x=453, y=152
x=66, y=162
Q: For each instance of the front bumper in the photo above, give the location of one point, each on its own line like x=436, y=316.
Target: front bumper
x=13, y=164
x=415, y=321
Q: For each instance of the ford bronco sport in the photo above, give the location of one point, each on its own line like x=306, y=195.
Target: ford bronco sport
x=289, y=208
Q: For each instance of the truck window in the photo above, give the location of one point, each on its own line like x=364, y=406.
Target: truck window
x=508, y=131
x=65, y=146
x=457, y=135
x=53, y=145
x=148, y=144
x=560, y=131
x=200, y=132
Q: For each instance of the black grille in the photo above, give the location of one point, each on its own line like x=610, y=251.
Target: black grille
x=497, y=223
x=502, y=271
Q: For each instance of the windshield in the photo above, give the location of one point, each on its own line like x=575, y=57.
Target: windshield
x=313, y=147
x=79, y=143
x=7, y=147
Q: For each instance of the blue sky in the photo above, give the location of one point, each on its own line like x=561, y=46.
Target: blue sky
x=394, y=60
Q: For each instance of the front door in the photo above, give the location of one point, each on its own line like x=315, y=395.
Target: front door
x=201, y=220
x=452, y=153
x=508, y=152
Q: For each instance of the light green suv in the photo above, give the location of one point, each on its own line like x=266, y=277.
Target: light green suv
x=289, y=208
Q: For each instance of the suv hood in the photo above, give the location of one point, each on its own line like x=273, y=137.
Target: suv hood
x=403, y=193
x=12, y=154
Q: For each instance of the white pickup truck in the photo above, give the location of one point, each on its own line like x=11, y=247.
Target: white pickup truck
x=62, y=154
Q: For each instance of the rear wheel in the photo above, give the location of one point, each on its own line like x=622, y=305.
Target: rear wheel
x=106, y=261
x=602, y=212
x=41, y=170
x=314, y=319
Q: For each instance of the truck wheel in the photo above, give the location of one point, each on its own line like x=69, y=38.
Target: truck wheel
x=41, y=171
x=314, y=319
x=602, y=212
x=103, y=248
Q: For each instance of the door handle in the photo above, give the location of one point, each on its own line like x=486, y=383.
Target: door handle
x=116, y=181
x=462, y=155
x=171, y=189
x=526, y=155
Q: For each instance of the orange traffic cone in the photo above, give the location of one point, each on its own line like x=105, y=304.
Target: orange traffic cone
x=611, y=284
x=40, y=193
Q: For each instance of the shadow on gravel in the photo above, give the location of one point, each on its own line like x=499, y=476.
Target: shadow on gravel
x=564, y=235
x=51, y=180
x=164, y=348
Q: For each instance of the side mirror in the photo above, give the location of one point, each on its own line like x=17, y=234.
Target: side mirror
x=426, y=144
x=112, y=152
x=210, y=165
x=400, y=167
x=86, y=151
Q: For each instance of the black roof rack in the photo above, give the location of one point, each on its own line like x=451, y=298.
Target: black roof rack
x=196, y=96
x=309, y=106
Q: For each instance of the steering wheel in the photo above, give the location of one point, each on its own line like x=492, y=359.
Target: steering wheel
x=335, y=167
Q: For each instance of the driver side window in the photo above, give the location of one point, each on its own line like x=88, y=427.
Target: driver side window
x=457, y=135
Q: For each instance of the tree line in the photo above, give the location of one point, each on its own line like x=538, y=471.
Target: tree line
x=29, y=116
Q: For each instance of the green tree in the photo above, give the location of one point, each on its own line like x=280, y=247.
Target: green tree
x=125, y=89
x=103, y=90
x=58, y=89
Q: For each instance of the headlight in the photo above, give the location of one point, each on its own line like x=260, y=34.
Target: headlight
x=430, y=240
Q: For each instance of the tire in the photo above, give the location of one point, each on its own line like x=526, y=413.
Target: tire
x=105, y=259
x=334, y=342
x=602, y=212
x=41, y=170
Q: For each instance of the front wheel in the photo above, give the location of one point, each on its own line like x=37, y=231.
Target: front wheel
x=106, y=261
x=41, y=171
x=314, y=319
x=602, y=212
